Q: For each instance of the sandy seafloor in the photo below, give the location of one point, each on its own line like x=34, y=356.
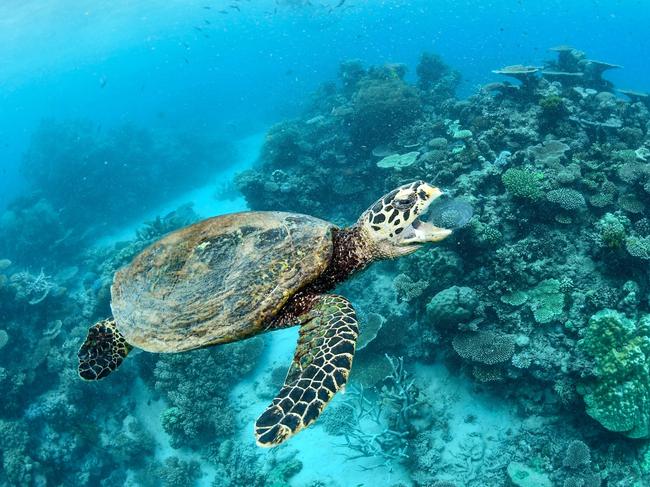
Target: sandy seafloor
x=491, y=419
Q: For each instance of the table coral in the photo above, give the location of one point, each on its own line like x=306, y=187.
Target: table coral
x=486, y=347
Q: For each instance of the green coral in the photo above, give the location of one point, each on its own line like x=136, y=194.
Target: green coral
x=618, y=397
x=523, y=184
x=611, y=230
x=552, y=105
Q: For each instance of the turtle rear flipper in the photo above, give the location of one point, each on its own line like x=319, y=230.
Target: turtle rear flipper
x=103, y=351
x=320, y=368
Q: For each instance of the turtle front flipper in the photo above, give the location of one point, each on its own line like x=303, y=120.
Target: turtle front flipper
x=320, y=368
x=103, y=351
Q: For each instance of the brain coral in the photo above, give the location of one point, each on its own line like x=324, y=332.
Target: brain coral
x=618, y=397
x=452, y=305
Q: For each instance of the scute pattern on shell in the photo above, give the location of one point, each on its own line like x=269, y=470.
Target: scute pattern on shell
x=219, y=280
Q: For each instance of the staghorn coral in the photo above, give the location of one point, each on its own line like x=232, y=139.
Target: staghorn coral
x=33, y=289
x=312, y=165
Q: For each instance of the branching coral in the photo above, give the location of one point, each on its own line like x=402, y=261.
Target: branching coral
x=391, y=418
x=638, y=247
x=32, y=288
x=523, y=184
x=612, y=230
x=197, y=384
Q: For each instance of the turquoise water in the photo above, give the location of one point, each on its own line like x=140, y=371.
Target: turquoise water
x=514, y=352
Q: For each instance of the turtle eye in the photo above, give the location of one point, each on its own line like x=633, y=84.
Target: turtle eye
x=404, y=203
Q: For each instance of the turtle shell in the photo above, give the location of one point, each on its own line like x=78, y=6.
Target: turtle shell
x=219, y=280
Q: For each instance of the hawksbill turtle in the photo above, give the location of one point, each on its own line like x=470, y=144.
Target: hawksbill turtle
x=234, y=276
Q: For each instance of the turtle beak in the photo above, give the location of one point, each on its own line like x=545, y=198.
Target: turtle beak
x=421, y=232
x=431, y=191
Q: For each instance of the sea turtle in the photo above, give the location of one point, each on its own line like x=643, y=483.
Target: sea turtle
x=230, y=277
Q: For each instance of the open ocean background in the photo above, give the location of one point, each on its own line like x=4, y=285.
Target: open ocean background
x=250, y=68
x=209, y=81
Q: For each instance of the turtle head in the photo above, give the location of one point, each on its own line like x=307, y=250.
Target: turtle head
x=393, y=227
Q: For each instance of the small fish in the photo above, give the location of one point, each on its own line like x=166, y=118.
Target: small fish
x=223, y=12
x=198, y=28
x=102, y=81
x=207, y=7
x=207, y=22
x=340, y=4
x=236, y=7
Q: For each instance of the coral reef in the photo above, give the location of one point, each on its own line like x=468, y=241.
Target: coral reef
x=553, y=165
x=539, y=303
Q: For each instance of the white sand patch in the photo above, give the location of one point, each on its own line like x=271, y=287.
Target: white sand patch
x=478, y=421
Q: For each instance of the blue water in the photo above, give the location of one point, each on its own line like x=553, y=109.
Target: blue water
x=249, y=68
x=205, y=82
